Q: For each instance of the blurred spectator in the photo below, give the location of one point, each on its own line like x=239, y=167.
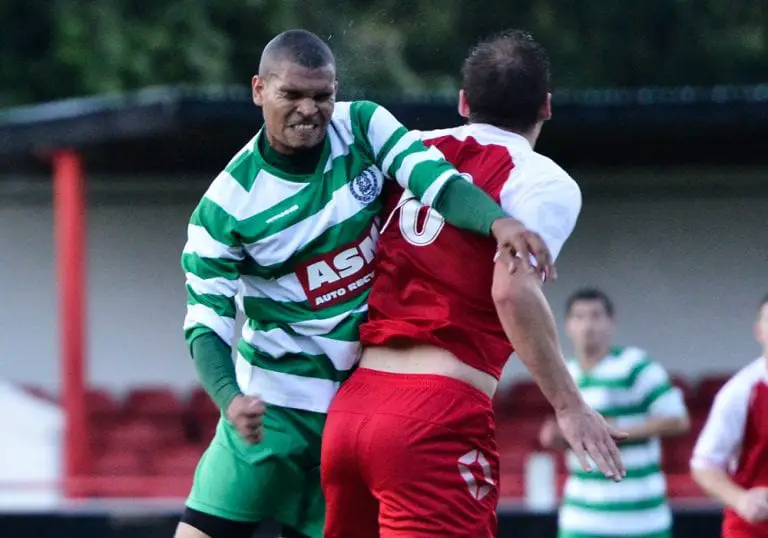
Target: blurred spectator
x=730, y=461
x=634, y=392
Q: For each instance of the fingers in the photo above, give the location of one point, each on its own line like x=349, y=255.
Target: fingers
x=252, y=436
x=249, y=420
x=581, y=455
x=611, y=457
x=255, y=408
x=530, y=245
x=542, y=255
x=607, y=462
x=617, y=435
x=600, y=456
x=251, y=429
x=521, y=253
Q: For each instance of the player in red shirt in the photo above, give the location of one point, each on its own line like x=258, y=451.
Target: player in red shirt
x=730, y=460
x=409, y=447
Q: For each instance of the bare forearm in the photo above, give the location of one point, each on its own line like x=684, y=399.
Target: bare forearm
x=718, y=485
x=528, y=323
x=658, y=427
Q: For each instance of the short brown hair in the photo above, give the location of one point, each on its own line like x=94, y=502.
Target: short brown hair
x=506, y=79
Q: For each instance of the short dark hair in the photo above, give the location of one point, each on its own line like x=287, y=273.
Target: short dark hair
x=506, y=79
x=301, y=47
x=590, y=294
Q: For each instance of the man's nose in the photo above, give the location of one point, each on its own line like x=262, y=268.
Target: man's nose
x=307, y=107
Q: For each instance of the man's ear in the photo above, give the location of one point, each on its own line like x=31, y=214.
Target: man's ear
x=463, y=105
x=545, y=112
x=257, y=90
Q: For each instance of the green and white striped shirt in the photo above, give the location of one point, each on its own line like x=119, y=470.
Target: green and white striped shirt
x=295, y=253
x=626, y=387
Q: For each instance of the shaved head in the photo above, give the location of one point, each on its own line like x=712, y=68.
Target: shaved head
x=299, y=47
x=296, y=90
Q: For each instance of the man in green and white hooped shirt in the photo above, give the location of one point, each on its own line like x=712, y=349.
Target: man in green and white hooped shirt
x=287, y=233
x=634, y=392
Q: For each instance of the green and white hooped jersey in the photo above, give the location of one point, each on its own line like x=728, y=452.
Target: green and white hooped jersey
x=295, y=253
x=626, y=387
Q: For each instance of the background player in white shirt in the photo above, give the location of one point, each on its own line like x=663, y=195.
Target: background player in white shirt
x=730, y=460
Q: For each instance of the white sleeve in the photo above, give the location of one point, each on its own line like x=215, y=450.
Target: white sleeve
x=547, y=203
x=660, y=398
x=719, y=443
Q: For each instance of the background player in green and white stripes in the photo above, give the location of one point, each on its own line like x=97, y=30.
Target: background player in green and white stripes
x=634, y=392
x=287, y=232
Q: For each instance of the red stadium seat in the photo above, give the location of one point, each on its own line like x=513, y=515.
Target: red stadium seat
x=682, y=486
x=676, y=453
x=526, y=398
x=119, y=463
x=707, y=389
x=511, y=486
x=206, y=428
x=200, y=404
x=202, y=416
x=521, y=431
x=178, y=462
x=512, y=459
x=698, y=419
x=136, y=436
x=100, y=403
x=561, y=478
x=103, y=413
x=153, y=401
x=685, y=387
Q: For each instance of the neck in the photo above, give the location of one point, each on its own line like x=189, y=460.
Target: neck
x=588, y=358
x=298, y=162
x=531, y=135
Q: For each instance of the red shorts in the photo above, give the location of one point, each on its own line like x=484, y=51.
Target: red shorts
x=409, y=456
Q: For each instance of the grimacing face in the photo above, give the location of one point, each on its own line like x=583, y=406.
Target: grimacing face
x=297, y=104
x=589, y=326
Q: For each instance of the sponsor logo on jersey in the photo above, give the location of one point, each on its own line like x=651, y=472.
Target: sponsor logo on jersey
x=340, y=275
x=367, y=186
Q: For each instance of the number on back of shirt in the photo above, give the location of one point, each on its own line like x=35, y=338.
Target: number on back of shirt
x=420, y=225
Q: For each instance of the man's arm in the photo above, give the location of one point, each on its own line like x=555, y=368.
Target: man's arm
x=548, y=203
x=662, y=401
x=719, y=443
x=530, y=327
x=550, y=207
x=211, y=263
x=528, y=323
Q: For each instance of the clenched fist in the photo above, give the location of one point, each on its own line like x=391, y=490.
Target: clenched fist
x=246, y=413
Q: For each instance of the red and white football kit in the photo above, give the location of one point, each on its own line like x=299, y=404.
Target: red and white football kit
x=415, y=455
x=735, y=439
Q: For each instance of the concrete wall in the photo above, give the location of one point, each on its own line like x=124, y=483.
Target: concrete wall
x=685, y=272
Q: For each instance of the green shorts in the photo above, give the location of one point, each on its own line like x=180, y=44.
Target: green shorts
x=277, y=479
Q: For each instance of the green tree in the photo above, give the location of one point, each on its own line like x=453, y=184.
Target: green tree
x=58, y=48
